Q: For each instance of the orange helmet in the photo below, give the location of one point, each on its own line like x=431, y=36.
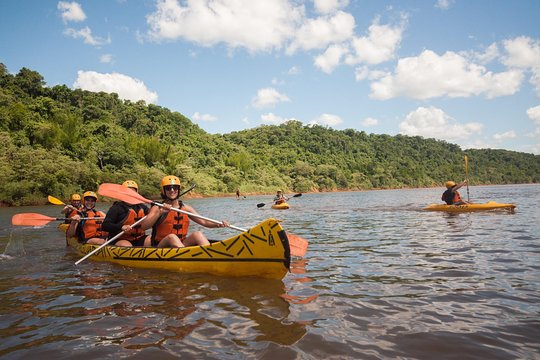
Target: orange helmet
x=131, y=184
x=168, y=181
x=90, y=194
x=449, y=184
x=75, y=197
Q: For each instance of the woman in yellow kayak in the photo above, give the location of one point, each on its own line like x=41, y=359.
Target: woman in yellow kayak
x=88, y=231
x=451, y=195
x=170, y=228
x=74, y=207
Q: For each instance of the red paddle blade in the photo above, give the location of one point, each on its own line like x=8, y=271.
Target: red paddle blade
x=122, y=193
x=31, y=219
x=297, y=244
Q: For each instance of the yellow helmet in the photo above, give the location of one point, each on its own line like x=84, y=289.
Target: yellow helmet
x=90, y=194
x=75, y=197
x=449, y=184
x=169, y=180
x=131, y=184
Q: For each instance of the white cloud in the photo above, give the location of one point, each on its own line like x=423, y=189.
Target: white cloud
x=331, y=58
x=361, y=73
x=254, y=25
x=505, y=136
x=491, y=53
x=328, y=6
x=268, y=97
x=71, y=11
x=379, y=46
x=443, y=4
x=203, y=117
x=295, y=70
x=320, y=32
x=272, y=119
x=86, y=34
x=535, y=80
x=523, y=52
x=125, y=86
x=106, y=59
x=534, y=114
x=327, y=119
x=430, y=75
x=369, y=122
x=434, y=123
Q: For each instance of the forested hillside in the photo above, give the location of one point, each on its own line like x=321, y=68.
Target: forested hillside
x=56, y=141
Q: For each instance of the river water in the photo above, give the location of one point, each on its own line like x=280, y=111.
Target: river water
x=381, y=279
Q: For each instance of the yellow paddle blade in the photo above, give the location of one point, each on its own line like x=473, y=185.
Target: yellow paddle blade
x=54, y=200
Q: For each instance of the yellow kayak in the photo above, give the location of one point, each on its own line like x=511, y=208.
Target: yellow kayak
x=491, y=205
x=282, y=206
x=63, y=227
x=261, y=251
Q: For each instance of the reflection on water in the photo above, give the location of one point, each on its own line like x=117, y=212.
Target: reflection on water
x=382, y=279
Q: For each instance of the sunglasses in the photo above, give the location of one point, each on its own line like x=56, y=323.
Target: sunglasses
x=171, y=188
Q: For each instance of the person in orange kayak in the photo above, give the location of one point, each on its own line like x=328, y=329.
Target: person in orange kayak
x=121, y=216
x=451, y=195
x=73, y=207
x=169, y=227
x=88, y=231
x=279, y=198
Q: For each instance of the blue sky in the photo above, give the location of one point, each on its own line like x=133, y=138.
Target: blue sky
x=463, y=71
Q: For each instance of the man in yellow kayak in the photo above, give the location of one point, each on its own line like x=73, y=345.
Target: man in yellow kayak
x=279, y=198
x=451, y=195
x=74, y=207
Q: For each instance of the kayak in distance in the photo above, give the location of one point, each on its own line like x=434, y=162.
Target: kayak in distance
x=261, y=251
x=282, y=206
x=491, y=205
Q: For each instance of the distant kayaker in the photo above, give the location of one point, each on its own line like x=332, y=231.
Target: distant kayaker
x=451, y=195
x=279, y=198
x=237, y=194
x=169, y=227
x=121, y=216
x=73, y=207
x=88, y=231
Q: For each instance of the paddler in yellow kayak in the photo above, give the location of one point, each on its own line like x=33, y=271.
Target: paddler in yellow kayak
x=451, y=195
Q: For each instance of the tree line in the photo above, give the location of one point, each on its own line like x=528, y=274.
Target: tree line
x=57, y=141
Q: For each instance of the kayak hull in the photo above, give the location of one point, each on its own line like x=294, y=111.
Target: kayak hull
x=63, y=227
x=282, y=206
x=262, y=251
x=491, y=205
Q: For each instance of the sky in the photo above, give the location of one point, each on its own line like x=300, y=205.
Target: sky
x=463, y=71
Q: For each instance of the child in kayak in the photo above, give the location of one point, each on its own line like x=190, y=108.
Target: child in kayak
x=451, y=195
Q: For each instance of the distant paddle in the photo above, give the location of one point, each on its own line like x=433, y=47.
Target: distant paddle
x=55, y=201
x=260, y=205
x=297, y=244
x=467, y=176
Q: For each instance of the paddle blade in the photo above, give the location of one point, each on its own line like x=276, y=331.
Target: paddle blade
x=122, y=193
x=297, y=195
x=31, y=219
x=260, y=205
x=54, y=200
x=297, y=244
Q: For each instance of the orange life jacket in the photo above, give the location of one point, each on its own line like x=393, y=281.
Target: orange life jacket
x=132, y=217
x=88, y=229
x=447, y=195
x=170, y=223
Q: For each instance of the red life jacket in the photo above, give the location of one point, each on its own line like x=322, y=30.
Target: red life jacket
x=88, y=229
x=170, y=223
x=132, y=217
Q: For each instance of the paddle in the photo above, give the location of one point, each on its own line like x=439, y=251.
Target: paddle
x=55, y=201
x=108, y=241
x=34, y=219
x=467, y=176
x=129, y=196
x=260, y=205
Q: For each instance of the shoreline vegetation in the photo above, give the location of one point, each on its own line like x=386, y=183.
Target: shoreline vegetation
x=59, y=141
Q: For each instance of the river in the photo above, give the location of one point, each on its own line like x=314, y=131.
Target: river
x=381, y=279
